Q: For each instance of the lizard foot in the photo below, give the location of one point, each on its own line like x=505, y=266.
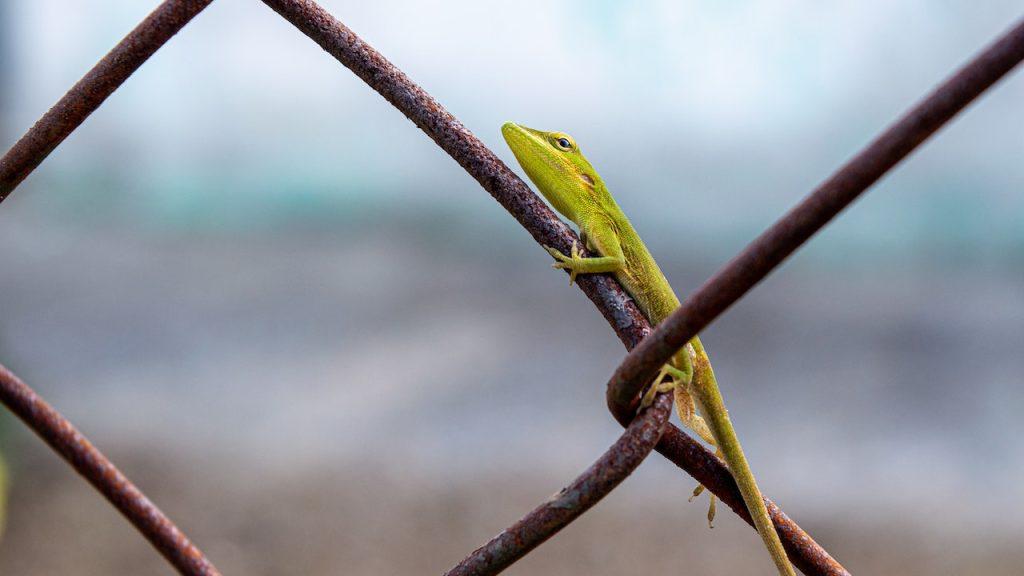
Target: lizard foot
x=711, y=506
x=567, y=262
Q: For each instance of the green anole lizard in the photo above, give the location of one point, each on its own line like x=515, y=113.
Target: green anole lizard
x=556, y=166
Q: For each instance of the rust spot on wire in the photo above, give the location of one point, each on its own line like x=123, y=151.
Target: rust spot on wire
x=67, y=441
x=99, y=83
x=602, y=477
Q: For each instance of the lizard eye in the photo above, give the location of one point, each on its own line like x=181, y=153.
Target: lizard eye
x=564, y=143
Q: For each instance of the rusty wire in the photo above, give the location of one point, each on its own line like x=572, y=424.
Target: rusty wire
x=88, y=93
x=545, y=227
x=88, y=461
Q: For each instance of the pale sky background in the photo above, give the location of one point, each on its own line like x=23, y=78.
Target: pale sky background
x=707, y=119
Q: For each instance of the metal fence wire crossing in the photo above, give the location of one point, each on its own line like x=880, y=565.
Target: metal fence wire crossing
x=649, y=346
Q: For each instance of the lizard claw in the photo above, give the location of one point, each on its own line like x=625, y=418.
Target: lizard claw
x=554, y=253
x=696, y=492
x=577, y=254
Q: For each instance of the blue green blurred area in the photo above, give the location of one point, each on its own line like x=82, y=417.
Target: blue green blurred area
x=707, y=119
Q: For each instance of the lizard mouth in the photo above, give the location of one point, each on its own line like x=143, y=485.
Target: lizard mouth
x=520, y=138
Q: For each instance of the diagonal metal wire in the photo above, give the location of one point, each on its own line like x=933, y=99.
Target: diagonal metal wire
x=86, y=96
x=510, y=191
x=88, y=461
x=571, y=502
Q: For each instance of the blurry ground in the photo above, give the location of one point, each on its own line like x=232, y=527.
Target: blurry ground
x=331, y=520
x=383, y=400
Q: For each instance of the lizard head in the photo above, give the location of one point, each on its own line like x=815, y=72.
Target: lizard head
x=556, y=166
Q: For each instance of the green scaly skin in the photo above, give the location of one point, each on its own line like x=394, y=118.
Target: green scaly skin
x=563, y=175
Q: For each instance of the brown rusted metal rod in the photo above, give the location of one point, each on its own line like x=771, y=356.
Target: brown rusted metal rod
x=546, y=520
x=99, y=83
x=88, y=461
x=777, y=243
x=510, y=191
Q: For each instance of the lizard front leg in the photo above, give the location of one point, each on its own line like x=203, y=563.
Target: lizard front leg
x=576, y=263
x=603, y=238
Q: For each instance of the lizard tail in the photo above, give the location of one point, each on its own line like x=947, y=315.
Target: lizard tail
x=709, y=400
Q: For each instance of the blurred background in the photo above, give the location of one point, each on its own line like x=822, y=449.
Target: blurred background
x=321, y=347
